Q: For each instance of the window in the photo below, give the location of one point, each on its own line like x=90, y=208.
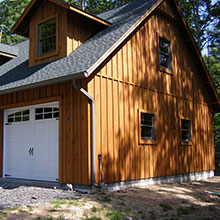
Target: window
x=147, y=127
x=47, y=37
x=46, y=113
x=19, y=116
x=186, y=131
x=165, y=55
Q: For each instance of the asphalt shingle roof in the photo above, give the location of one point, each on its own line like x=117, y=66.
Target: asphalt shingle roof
x=5, y=48
x=17, y=74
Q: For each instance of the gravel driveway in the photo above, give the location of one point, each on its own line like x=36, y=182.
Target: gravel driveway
x=15, y=195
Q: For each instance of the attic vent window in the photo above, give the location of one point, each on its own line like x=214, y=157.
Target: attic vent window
x=47, y=37
x=165, y=54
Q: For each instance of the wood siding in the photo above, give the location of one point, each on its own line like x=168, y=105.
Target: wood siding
x=130, y=81
x=47, y=10
x=79, y=29
x=73, y=132
x=72, y=30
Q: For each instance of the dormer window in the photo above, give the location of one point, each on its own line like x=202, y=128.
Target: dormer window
x=47, y=37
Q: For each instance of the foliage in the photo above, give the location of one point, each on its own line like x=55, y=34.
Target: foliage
x=213, y=64
x=201, y=15
x=10, y=11
x=97, y=6
x=203, y=18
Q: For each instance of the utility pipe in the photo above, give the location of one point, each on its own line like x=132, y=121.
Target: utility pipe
x=92, y=102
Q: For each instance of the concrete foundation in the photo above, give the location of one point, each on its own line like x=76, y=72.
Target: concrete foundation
x=189, y=177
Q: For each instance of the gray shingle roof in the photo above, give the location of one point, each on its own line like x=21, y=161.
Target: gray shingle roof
x=17, y=74
x=9, y=49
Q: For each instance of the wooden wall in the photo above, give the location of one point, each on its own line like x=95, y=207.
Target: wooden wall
x=131, y=80
x=79, y=29
x=72, y=30
x=74, y=164
x=47, y=10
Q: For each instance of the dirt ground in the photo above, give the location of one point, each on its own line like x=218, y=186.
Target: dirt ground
x=195, y=200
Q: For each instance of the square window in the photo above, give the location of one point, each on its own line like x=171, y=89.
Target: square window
x=165, y=54
x=39, y=117
x=186, y=131
x=147, y=126
x=47, y=37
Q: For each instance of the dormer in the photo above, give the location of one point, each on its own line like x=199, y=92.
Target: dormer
x=55, y=29
x=7, y=52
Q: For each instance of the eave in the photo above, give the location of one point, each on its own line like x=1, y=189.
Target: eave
x=7, y=55
x=21, y=27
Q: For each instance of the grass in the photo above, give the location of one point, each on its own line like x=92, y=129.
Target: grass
x=3, y=215
x=104, y=199
x=166, y=207
x=59, y=202
x=73, y=203
x=114, y=215
x=13, y=209
x=22, y=211
x=127, y=211
x=94, y=209
x=30, y=209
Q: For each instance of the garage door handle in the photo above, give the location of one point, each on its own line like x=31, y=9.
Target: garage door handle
x=31, y=151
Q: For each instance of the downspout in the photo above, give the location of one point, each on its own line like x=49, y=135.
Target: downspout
x=92, y=102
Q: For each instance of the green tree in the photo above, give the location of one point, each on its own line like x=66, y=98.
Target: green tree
x=97, y=6
x=10, y=11
x=200, y=15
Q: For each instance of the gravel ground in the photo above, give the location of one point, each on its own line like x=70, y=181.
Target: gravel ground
x=15, y=195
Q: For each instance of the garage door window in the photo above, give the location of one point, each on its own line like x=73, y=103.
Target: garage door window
x=46, y=113
x=19, y=116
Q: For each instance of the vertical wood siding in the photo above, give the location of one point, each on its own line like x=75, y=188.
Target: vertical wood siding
x=47, y=10
x=72, y=30
x=131, y=80
x=73, y=143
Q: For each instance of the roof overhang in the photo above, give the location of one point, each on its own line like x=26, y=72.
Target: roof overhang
x=78, y=75
x=21, y=27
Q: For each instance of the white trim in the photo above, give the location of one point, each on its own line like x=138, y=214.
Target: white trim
x=3, y=162
x=187, y=177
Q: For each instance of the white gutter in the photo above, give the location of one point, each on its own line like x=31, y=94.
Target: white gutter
x=92, y=102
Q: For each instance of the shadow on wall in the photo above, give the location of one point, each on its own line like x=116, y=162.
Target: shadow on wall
x=125, y=159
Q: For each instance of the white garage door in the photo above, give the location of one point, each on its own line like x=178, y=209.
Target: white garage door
x=31, y=142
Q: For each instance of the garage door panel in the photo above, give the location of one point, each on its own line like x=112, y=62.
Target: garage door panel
x=53, y=130
x=25, y=132
x=31, y=147
x=11, y=155
x=41, y=131
x=13, y=134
